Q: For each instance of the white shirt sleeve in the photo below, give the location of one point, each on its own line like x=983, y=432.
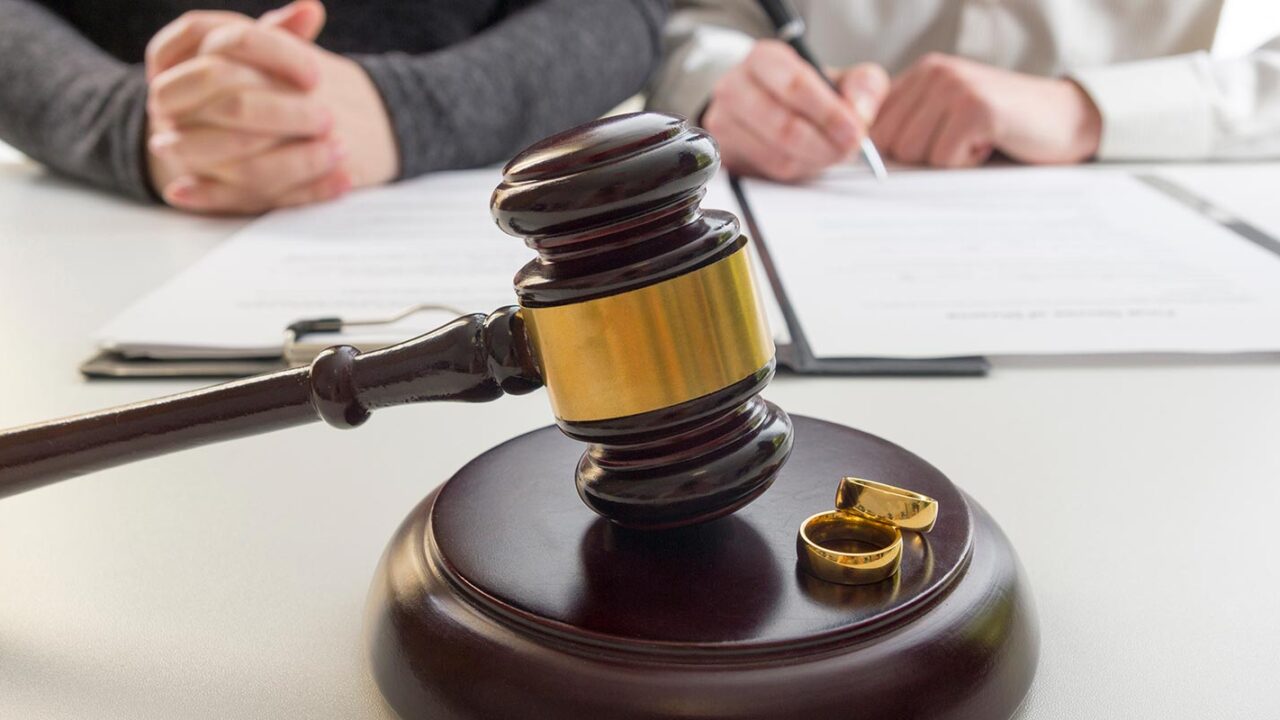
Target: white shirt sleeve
x=701, y=42
x=1189, y=107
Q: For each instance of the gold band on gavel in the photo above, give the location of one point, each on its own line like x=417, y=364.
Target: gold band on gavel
x=653, y=347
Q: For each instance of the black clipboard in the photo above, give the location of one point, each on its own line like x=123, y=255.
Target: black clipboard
x=798, y=357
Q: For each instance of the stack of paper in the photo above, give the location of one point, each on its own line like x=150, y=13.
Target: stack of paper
x=1015, y=261
x=927, y=264
x=367, y=256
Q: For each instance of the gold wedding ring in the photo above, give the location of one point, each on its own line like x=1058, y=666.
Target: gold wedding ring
x=887, y=504
x=860, y=542
x=825, y=548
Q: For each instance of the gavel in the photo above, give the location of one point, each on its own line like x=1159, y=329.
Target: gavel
x=638, y=314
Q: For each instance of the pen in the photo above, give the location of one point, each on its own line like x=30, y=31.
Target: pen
x=790, y=28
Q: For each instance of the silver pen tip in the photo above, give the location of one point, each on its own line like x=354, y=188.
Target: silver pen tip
x=872, y=156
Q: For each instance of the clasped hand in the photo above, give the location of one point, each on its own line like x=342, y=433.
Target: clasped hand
x=776, y=117
x=245, y=116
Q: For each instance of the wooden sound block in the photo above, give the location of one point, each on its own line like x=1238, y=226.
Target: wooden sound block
x=501, y=596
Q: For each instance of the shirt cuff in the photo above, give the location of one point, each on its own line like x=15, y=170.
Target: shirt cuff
x=1152, y=110
x=121, y=129
x=684, y=83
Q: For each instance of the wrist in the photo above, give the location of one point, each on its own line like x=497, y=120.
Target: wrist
x=362, y=123
x=1088, y=122
x=160, y=170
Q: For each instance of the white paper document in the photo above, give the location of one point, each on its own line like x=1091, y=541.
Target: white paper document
x=367, y=256
x=1013, y=261
x=927, y=264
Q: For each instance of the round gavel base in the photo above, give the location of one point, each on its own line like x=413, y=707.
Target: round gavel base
x=501, y=596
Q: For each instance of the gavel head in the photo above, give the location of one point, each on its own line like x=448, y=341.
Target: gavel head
x=643, y=320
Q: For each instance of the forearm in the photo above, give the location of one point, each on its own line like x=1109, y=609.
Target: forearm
x=68, y=104
x=1189, y=107
x=544, y=69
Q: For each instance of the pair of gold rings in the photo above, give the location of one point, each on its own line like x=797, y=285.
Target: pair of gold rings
x=832, y=545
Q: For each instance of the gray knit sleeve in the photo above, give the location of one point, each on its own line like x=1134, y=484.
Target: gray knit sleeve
x=68, y=104
x=543, y=69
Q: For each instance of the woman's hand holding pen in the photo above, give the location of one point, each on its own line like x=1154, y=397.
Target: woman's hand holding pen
x=245, y=116
x=775, y=117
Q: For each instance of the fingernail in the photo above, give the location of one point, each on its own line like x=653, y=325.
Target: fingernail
x=275, y=13
x=338, y=151
x=181, y=190
x=865, y=107
x=161, y=143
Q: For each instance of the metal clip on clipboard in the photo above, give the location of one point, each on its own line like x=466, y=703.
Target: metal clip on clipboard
x=294, y=351
x=297, y=352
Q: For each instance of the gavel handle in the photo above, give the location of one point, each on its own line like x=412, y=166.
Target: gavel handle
x=475, y=358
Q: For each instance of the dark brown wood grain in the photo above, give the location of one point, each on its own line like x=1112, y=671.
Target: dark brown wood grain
x=612, y=206
x=473, y=359
x=498, y=598
x=686, y=464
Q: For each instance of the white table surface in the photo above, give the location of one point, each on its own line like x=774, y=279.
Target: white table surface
x=229, y=581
